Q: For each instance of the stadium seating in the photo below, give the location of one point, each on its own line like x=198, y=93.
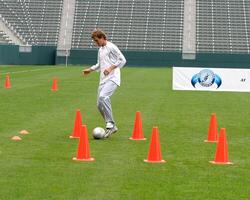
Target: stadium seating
x=132, y=25
x=4, y=39
x=223, y=26
x=149, y=25
x=37, y=22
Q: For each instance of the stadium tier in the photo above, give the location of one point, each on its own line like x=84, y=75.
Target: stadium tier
x=4, y=39
x=145, y=25
x=35, y=22
x=131, y=24
x=223, y=26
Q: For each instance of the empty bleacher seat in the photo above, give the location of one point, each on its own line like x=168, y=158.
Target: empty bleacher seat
x=132, y=24
x=223, y=26
x=33, y=19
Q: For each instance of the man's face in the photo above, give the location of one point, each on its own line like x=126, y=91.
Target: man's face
x=99, y=41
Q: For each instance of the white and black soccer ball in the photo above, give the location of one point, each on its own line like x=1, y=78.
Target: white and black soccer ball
x=98, y=133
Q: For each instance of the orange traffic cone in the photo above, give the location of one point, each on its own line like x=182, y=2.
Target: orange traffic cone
x=7, y=82
x=54, y=85
x=154, y=154
x=221, y=155
x=83, y=153
x=212, y=130
x=137, y=132
x=77, y=125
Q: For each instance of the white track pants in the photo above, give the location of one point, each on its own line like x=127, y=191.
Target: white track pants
x=105, y=91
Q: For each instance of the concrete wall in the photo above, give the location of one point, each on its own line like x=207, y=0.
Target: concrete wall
x=44, y=55
x=39, y=55
x=167, y=59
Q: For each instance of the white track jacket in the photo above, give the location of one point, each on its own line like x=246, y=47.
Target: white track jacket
x=109, y=55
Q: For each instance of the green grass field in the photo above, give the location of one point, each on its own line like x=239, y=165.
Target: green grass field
x=41, y=167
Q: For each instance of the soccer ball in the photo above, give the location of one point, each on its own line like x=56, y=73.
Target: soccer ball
x=98, y=133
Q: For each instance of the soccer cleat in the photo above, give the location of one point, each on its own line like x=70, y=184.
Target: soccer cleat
x=110, y=131
x=109, y=125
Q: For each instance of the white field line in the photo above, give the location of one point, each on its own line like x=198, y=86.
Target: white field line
x=31, y=70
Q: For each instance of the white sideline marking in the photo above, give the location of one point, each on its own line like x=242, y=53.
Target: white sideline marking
x=32, y=70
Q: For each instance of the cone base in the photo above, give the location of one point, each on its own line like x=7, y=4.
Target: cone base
x=54, y=90
x=16, y=138
x=149, y=161
x=73, y=137
x=131, y=138
x=211, y=141
x=221, y=163
x=86, y=160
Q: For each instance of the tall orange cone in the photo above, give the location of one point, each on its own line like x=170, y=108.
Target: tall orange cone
x=77, y=125
x=137, y=132
x=212, y=130
x=54, y=85
x=7, y=82
x=221, y=155
x=154, y=154
x=83, y=152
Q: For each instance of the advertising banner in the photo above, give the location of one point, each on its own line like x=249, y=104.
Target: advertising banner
x=211, y=79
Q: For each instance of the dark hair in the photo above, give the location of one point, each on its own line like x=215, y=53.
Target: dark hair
x=98, y=34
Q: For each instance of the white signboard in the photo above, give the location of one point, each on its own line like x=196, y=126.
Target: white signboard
x=211, y=79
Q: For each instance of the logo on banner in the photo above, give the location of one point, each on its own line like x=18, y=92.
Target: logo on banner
x=206, y=78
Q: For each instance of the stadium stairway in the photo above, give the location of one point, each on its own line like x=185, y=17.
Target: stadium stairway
x=66, y=27
x=9, y=35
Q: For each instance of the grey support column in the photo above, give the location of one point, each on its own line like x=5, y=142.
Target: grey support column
x=189, y=30
x=66, y=27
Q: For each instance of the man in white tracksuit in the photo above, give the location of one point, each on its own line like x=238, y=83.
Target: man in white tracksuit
x=110, y=60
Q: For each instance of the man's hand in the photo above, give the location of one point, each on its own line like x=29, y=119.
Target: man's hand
x=109, y=69
x=86, y=72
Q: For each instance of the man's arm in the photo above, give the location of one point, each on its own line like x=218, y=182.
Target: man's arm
x=120, y=60
x=87, y=71
x=109, y=69
x=95, y=67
